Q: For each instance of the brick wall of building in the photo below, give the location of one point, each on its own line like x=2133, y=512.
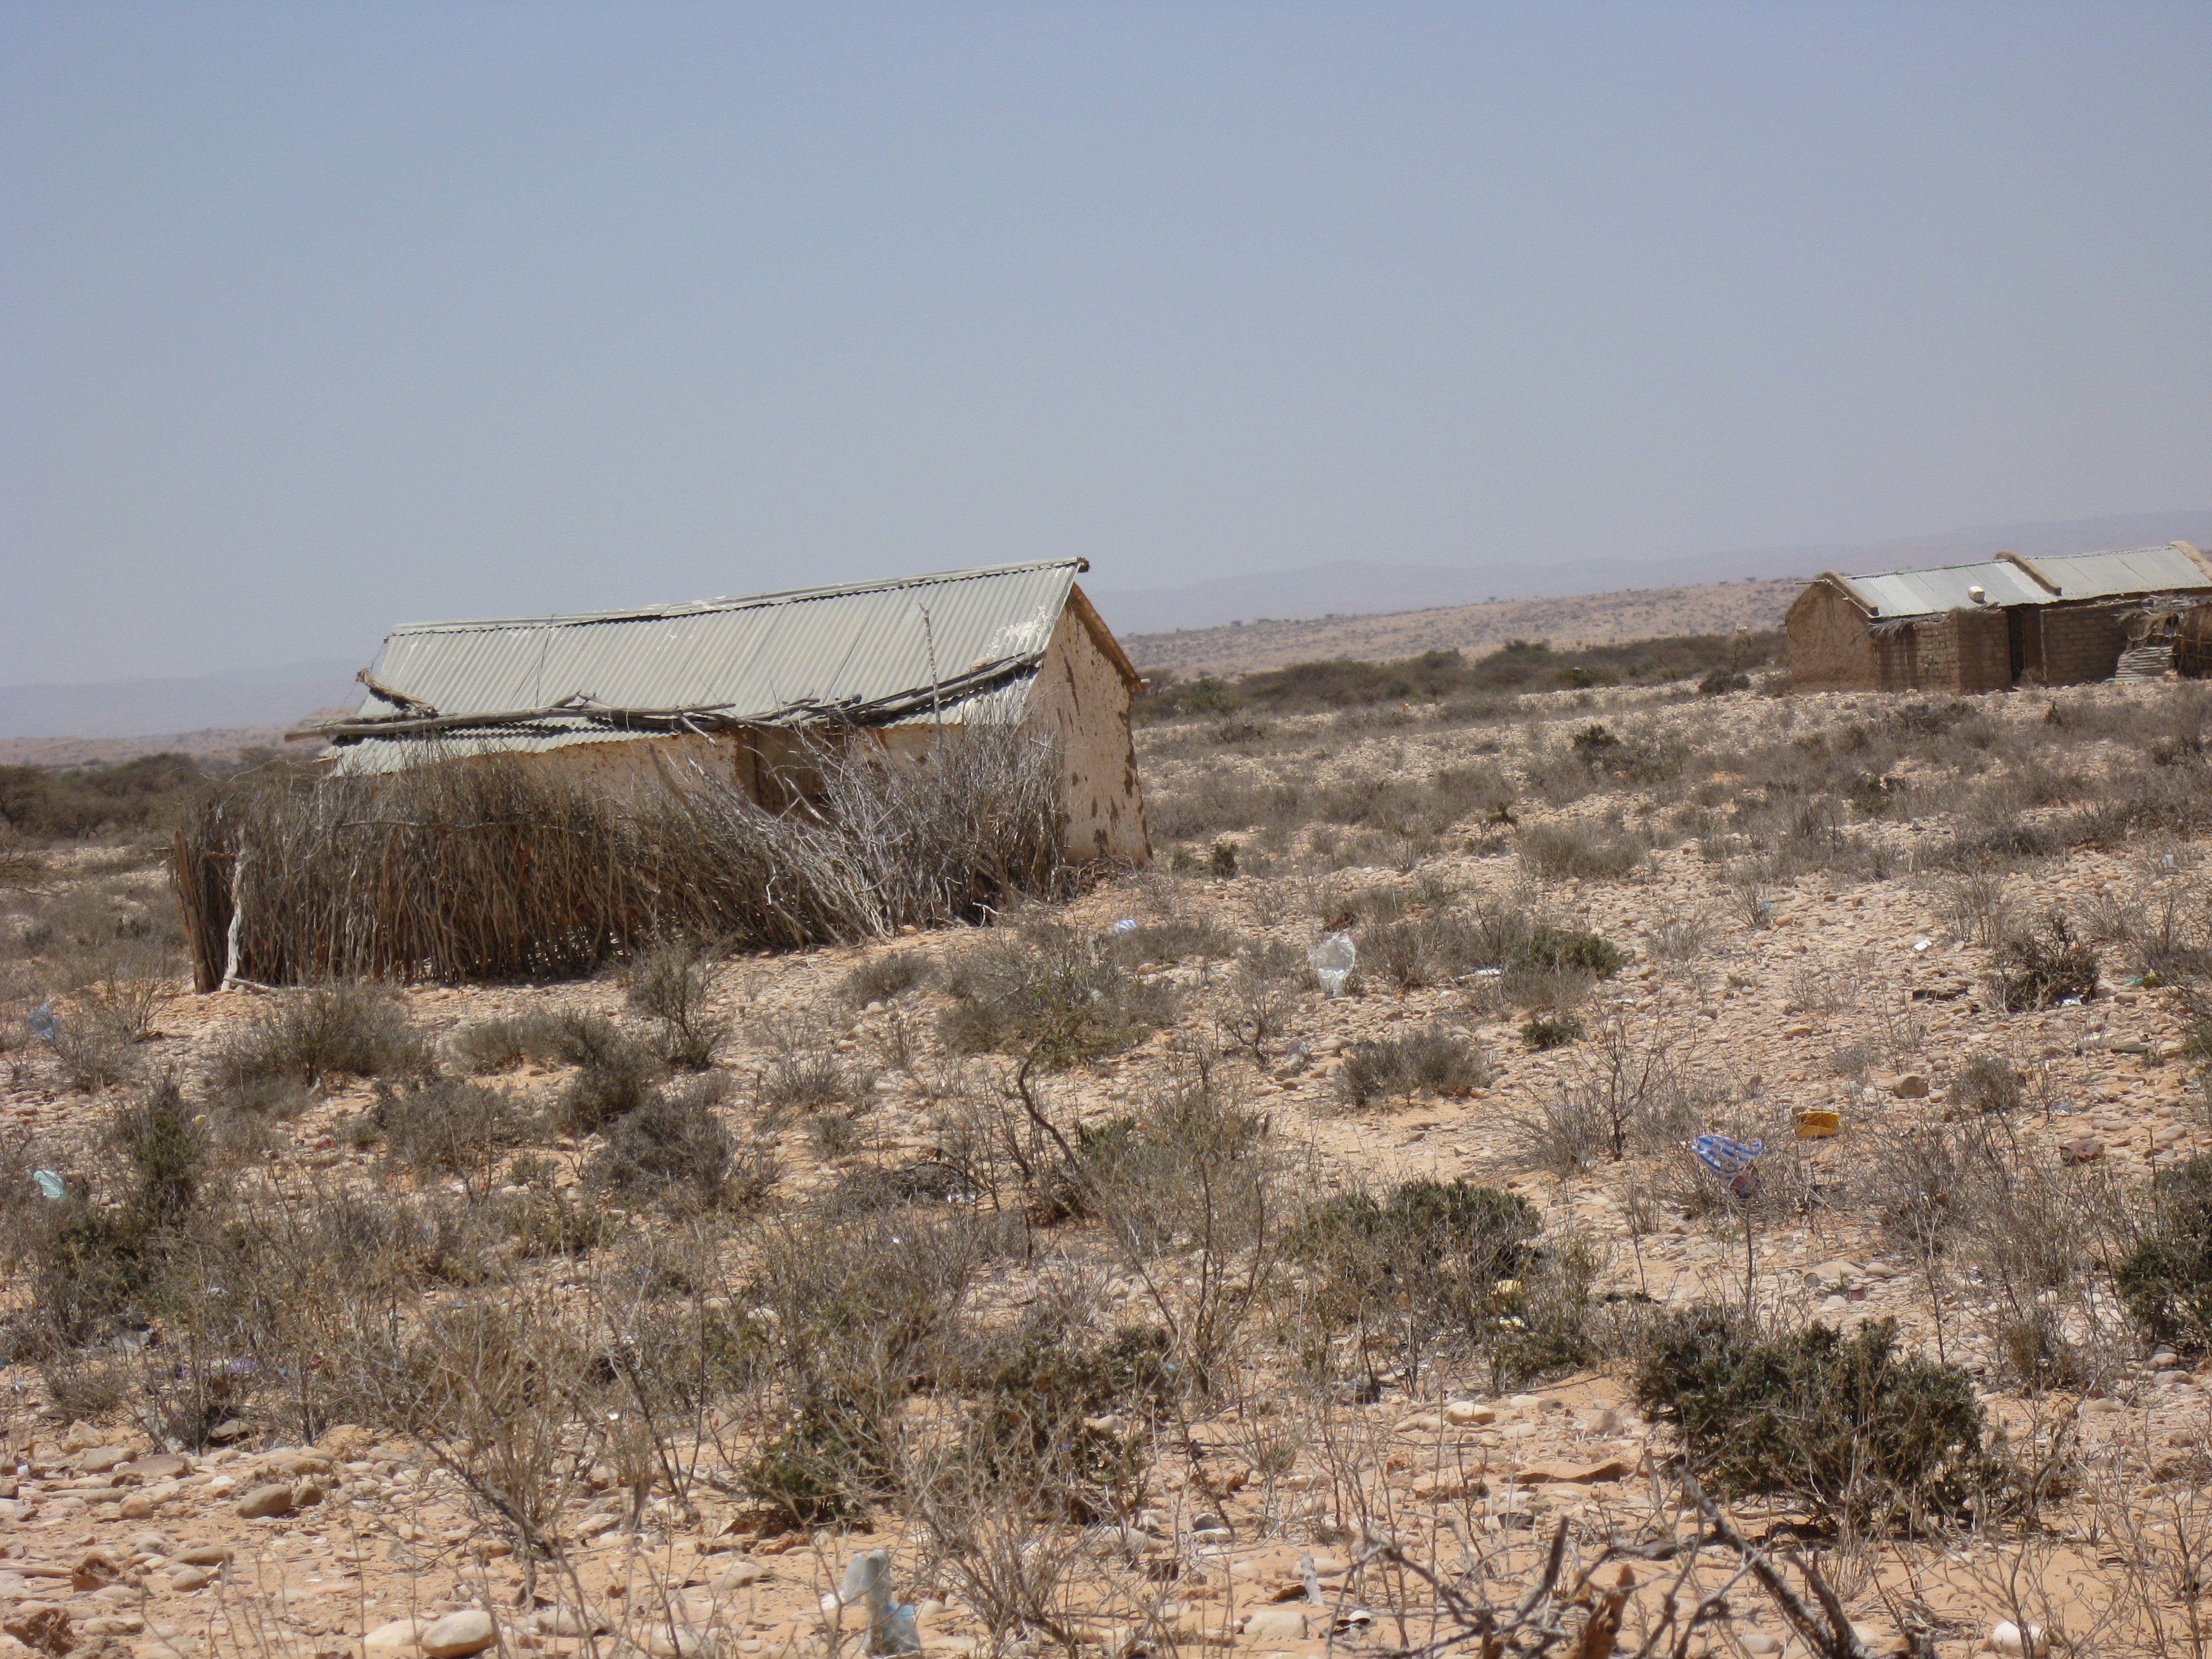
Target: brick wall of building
x=2080, y=643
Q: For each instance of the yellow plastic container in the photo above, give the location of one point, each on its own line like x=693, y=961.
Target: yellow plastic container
x=1818, y=1123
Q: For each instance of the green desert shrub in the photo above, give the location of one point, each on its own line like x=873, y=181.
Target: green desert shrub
x=1858, y=1433
x=2165, y=1277
x=1443, y=1266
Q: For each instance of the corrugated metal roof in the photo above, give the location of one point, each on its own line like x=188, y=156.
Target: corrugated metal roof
x=2165, y=569
x=373, y=755
x=2012, y=580
x=1946, y=587
x=870, y=650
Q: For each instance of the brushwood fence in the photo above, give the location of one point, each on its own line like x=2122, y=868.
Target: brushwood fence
x=501, y=867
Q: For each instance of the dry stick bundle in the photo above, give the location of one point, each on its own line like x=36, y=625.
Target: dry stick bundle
x=491, y=867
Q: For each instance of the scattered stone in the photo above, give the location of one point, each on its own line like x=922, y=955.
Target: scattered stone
x=400, y=1636
x=458, y=1634
x=1419, y=1423
x=100, y=1459
x=2083, y=1149
x=566, y=1621
x=96, y=1571
x=262, y=1502
x=136, y=1507
x=1758, y=1642
x=40, y=1625
x=204, y=1555
x=1449, y=1486
x=1573, y=1474
x=183, y=1580
x=1463, y=1414
x=1911, y=1085
x=1282, y=1624
x=684, y=1642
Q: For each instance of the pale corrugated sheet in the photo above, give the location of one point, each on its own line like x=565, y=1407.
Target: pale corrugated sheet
x=1948, y=587
x=2144, y=570
x=767, y=657
x=2165, y=569
x=748, y=656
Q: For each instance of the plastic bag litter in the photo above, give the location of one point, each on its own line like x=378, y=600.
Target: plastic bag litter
x=1126, y=925
x=44, y=1026
x=1333, y=958
x=1725, y=1157
x=48, y=1183
x=892, y=1626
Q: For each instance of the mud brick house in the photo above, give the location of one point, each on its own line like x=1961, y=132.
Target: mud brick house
x=1985, y=626
x=749, y=686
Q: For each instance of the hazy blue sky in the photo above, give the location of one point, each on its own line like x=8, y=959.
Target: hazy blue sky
x=315, y=317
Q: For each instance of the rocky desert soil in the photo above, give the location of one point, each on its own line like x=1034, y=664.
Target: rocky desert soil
x=1582, y=619
x=1814, y=901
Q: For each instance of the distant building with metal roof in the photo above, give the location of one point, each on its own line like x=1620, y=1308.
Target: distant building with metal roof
x=1988, y=624
x=749, y=683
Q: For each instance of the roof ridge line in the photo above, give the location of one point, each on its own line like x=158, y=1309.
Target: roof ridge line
x=1075, y=567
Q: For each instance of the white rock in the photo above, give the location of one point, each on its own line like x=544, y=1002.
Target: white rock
x=399, y=1636
x=1276, y=1624
x=458, y=1634
x=2006, y=1637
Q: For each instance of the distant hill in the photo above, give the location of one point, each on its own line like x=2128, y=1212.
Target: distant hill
x=1351, y=588
x=243, y=697
x=1584, y=619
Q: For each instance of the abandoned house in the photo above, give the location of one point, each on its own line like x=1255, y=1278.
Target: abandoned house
x=748, y=687
x=2001, y=621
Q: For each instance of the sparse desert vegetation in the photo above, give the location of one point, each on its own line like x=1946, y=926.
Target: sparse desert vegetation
x=1132, y=1295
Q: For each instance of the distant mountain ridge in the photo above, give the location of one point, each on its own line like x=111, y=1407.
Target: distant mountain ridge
x=1350, y=588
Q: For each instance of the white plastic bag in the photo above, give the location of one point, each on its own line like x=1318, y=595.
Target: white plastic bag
x=1333, y=958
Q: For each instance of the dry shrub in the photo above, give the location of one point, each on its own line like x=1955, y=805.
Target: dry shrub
x=1053, y=994
x=673, y=984
x=888, y=977
x=670, y=1146
x=1977, y=907
x=806, y=1073
x=1577, y=849
x=1434, y=1059
x=445, y=1128
x=1260, y=996
x=492, y=869
x=332, y=1031
x=1629, y=1091
x=615, y=1076
x=2045, y=965
x=1988, y=1083
x=563, y=1037
x=849, y=1317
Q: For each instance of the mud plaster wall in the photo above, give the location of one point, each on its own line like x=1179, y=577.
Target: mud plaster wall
x=1078, y=697
x=1081, y=698
x=1980, y=651
x=2080, y=643
x=767, y=763
x=1829, y=649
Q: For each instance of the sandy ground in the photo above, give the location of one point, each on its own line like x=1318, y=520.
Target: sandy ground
x=148, y=1548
